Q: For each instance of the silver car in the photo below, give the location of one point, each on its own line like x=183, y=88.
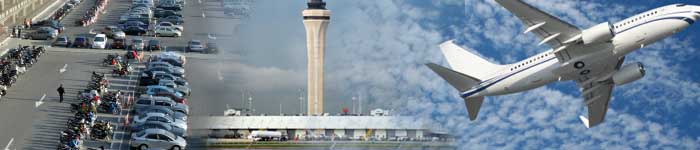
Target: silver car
x=171, y=84
x=160, y=117
x=165, y=64
x=195, y=45
x=146, y=101
x=160, y=125
x=175, y=114
x=157, y=139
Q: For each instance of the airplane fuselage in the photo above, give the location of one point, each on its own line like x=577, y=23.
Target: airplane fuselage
x=630, y=34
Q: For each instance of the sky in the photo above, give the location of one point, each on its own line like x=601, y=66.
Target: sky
x=376, y=50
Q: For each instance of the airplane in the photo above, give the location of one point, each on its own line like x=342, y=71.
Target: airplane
x=591, y=57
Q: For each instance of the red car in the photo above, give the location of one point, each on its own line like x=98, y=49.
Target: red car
x=118, y=44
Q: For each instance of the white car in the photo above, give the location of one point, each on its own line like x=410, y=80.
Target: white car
x=195, y=45
x=154, y=138
x=167, y=31
x=169, y=24
x=100, y=41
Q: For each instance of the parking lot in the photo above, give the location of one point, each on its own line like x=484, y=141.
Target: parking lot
x=35, y=99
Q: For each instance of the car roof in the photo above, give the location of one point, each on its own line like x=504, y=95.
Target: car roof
x=155, y=114
x=157, y=123
x=151, y=97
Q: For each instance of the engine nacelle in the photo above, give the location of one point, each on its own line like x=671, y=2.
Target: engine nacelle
x=628, y=73
x=598, y=33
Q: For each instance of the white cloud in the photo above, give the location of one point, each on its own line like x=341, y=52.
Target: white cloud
x=377, y=48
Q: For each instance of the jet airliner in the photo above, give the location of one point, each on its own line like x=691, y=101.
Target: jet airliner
x=591, y=57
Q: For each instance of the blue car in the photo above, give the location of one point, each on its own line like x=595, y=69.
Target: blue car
x=159, y=90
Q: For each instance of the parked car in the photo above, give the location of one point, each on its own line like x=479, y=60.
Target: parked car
x=52, y=31
x=135, y=30
x=158, y=90
x=173, y=19
x=212, y=48
x=153, y=78
x=169, y=24
x=147, y=101
x=166, y=13
x=41, y=35
x=154, y=45
x=118, y=44
x=137, y=44
x=62, y=41
x=80, y=42
x=171, y=84
x=169, y=5
x=50, y=23
x=160, y=125
x=154, y=64
x=195, y=45
x=114, y=32
x=157, y=139
x=154, y=116
x=167, y=31
x=100, y=41
x=169, y=70
x=135, y=23
x=167, y=111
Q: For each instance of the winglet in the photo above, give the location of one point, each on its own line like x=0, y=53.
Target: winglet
x=584, y=120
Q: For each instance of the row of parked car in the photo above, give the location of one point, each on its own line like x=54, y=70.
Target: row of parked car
x=162, y=19
x=161, y=111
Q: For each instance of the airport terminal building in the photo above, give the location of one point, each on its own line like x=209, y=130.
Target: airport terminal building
x=375, y=128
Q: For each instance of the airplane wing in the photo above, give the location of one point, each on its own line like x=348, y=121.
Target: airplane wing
x=597, y=95
x=551, y=29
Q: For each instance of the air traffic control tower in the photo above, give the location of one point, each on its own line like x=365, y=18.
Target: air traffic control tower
x=316, y=19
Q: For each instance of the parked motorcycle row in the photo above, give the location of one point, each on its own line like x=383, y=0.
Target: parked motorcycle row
x=94, y=99
x=121, y=66
x=91, y=15
x=63, y=11
x=16, y=62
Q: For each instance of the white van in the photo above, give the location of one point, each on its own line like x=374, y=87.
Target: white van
x=100, y=41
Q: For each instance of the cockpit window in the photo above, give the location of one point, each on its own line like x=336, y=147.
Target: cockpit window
x=680, y=5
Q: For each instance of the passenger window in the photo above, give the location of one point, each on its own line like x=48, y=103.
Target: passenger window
x=152, y=136
x=143, y=102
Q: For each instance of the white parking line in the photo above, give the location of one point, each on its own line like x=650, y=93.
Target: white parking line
x=41, y=101
x=63, y=69
x=7, y=147
x=218, y=71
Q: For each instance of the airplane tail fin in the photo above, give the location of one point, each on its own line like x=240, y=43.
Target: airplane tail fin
x=468, y=63
x=462, y=83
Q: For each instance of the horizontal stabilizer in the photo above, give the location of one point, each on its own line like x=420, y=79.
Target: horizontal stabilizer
x=458, y=80
x=462, y=83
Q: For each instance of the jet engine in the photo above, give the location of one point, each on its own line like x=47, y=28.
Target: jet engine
x=628, y=73
x=598, y=33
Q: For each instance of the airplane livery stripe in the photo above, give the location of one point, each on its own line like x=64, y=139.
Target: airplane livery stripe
x=472, y=92
x=679, y=18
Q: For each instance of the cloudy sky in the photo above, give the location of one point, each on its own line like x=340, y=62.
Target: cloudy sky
x=376, y=49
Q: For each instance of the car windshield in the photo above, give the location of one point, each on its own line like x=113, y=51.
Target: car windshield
x=140, y=134
x=61, y=39
x=138, y=41
x=196, y=43
x=99, y=39
x=79, y=39
x=154, y=42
